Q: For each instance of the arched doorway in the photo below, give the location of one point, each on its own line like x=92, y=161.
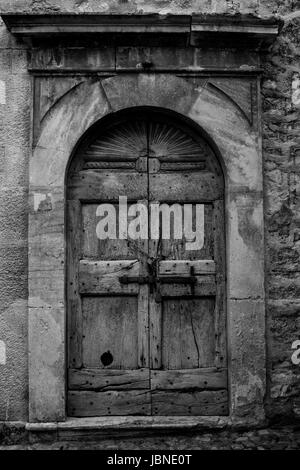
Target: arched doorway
x=146, y=314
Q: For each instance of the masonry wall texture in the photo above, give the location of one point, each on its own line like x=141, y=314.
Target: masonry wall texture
x=281, y=153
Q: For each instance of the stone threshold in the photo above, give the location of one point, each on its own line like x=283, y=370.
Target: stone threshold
x=117, y=424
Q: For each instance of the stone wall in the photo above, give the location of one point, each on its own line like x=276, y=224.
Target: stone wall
x=281, y=146
x=281, y=150
x=254, y=7
x=15, y=115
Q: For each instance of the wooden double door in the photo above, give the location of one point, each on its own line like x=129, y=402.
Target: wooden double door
x=146, y=316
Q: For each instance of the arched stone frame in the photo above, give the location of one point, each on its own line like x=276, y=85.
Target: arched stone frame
x=239, y=145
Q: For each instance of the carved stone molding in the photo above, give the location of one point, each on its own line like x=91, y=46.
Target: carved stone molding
x=230, y=31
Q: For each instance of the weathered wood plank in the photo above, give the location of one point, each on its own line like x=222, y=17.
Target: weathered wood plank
x=117, y=403
x=220, y=306
x=155, y=317
x=188, y=333
x=185, y=187
x=155, y=320
x=186, y=379
x=102, y=277
x=204, y=287
x=103, y=268
x=143, y=327
x=183, y=267
x=74, y=300
x=143, y=301
x=108, y=379
x=110, y=332
x=91, y=185
x=176, y=249
x=205, y=403
x=95, y=248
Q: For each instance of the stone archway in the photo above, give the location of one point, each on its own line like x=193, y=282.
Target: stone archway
x=239, y=145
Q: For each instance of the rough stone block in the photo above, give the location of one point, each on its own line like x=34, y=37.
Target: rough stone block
x=143, y=6
x=283, y=287
x=15, y=169
x=284, y=383
x=18, y=110
x=14, y=376
x=19, y=61
x=283, y=331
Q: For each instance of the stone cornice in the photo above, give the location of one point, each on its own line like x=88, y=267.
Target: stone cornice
x=195, y=30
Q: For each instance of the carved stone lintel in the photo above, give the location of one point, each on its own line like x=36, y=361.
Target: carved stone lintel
x=243, y=30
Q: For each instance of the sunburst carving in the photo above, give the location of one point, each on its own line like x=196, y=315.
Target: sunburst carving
x=126, y=141
x=171, y=142
x=124, y=144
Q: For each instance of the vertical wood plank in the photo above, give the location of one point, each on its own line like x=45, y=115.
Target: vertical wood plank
x=155, y=317
x=143, y=301
x=110, y=331
x=188, y=333
x=74, y=300
x=220, y=305
x=143, y=327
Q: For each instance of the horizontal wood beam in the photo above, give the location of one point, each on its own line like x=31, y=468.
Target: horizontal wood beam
x=189, y=379
x=108, y=379
x=183, y=267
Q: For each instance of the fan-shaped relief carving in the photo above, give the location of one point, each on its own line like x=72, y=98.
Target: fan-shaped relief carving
x=118, y=148
x=175, y=149
x=126, y=140
x=127, y=145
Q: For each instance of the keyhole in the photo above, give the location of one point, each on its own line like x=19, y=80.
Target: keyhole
x=107, y=358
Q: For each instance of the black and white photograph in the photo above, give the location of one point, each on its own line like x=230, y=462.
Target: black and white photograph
x=149, y=228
